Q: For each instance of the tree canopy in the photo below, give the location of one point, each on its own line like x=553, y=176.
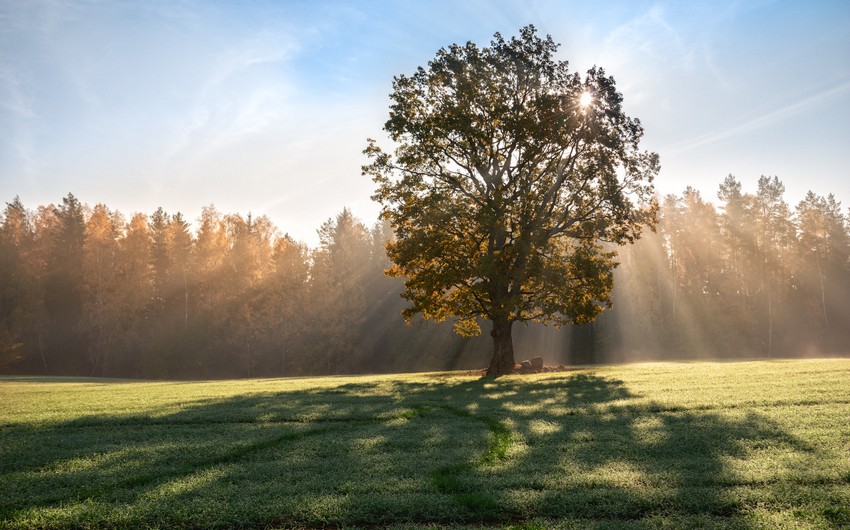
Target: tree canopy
x=509, y=176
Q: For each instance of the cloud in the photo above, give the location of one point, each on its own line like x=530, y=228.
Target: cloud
x=759, y=122
x=643, y=51
x=245, y=91
x=666, y=51
x=649, y=34
x=18, y=114
x=265, y=47
x=12, y=97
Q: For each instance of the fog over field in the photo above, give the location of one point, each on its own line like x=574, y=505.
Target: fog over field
x=88, y=292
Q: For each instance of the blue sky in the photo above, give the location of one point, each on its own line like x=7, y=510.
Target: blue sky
x=266, y=106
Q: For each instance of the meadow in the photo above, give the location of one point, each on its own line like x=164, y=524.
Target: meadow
x=761, y=444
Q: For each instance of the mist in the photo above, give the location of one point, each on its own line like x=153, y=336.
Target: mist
x=87, y=291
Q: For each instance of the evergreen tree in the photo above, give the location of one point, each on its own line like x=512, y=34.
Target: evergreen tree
x=102, y=293
x=64, y=287
x=22, y=312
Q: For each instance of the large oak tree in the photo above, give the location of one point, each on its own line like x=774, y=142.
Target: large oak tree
x=508, y=177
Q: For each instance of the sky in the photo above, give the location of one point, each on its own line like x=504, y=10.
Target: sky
x=265, y=107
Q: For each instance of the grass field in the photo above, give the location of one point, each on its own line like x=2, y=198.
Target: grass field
x=738, y=445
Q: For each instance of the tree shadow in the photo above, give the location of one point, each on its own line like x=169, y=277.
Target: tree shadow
x=449, y=450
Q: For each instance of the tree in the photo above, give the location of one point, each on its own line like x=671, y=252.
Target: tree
x=22, y=312
x=340, y=269
x=773, y=233
x=64, y=285
x=180, y=251
x=211, y=250
x=138, y=291
x=247, y=265
x=158, y=230
x=286, y=300
x=102, y=296
x=508, y=174
x=735, y=234
x=823, y=250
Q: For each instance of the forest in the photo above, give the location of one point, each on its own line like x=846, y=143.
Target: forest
x=85, y=290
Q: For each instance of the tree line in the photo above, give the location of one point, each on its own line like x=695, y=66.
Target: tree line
x=86, y=291
x=749, y=277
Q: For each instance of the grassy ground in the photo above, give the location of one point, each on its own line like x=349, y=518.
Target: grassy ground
x=739, y=445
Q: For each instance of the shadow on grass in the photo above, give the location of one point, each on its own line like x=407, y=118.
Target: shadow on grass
x=578, y=447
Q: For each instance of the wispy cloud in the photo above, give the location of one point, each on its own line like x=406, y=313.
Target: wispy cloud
x=659, y=36
x=648, y=33
x=640, y=48
x=759, y=122
x=668, y=48
x=245, y=91
x=265, y=47
x=12, y=97
x=18, y=114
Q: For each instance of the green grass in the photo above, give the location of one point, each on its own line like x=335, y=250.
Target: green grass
x=735, y=445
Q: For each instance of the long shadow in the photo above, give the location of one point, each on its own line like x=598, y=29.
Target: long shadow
x=449, y=450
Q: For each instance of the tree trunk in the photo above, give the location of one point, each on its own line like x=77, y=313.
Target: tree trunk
x=822, y=290
x=185, y=304
x=503, y=349
x=769, y=321
x=248, y=354
x=41, y=351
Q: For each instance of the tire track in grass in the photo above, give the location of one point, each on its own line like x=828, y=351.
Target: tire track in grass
x=449, y=479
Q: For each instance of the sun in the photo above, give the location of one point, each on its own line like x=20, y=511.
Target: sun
x=585, y=99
